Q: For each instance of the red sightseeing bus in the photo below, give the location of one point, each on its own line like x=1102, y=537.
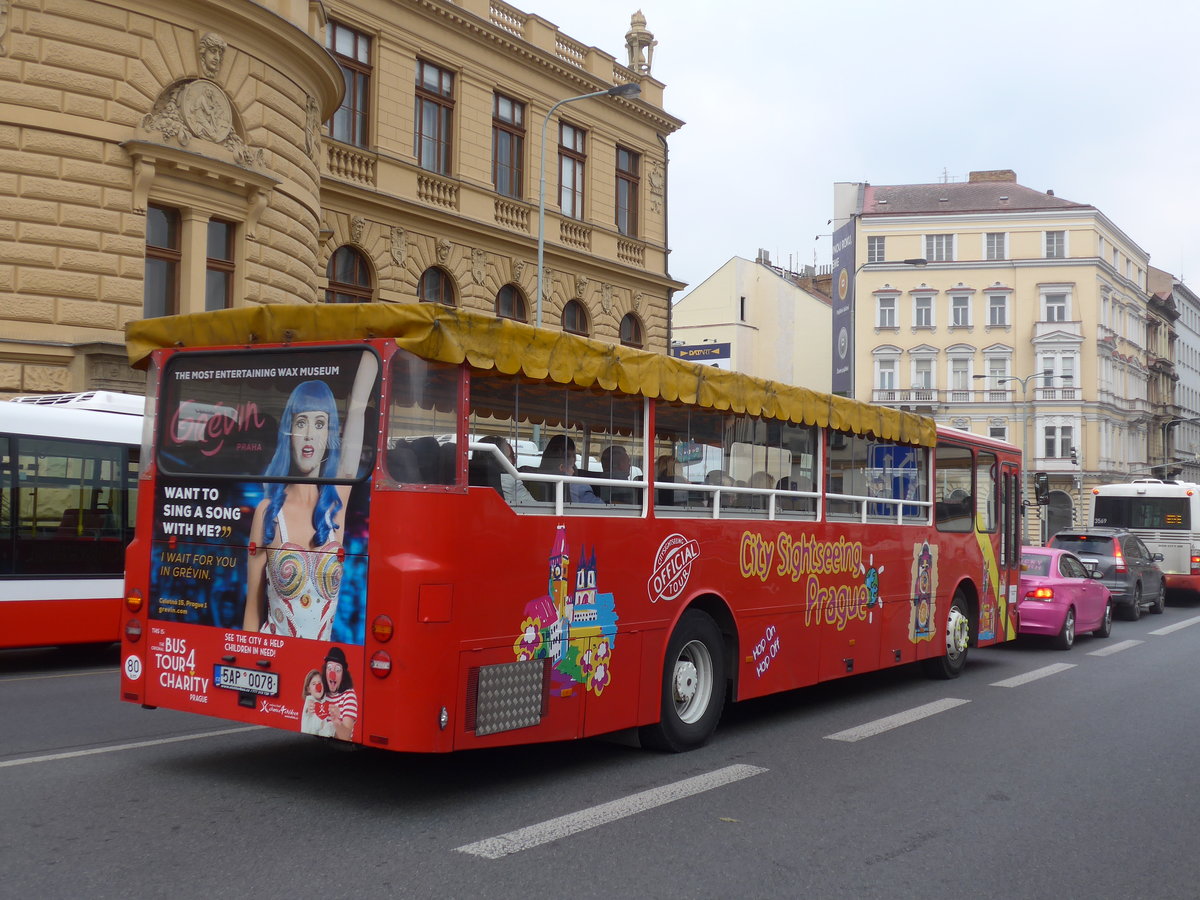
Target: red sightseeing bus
x=334, y=535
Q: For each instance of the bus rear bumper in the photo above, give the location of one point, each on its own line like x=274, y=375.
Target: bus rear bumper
x=1182, y=584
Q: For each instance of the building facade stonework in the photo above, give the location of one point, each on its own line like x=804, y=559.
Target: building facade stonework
x=160, y=158
x=1014, y=313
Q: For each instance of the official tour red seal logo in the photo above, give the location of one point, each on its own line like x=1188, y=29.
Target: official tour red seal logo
x=672, y=567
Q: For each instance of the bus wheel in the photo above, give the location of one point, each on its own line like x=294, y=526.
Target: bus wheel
x=693, y=686
x=958, y=639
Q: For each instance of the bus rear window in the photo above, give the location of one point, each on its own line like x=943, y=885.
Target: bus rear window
x=247, y=414
x=1161, y=513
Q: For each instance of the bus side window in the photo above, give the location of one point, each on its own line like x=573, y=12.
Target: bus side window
x=953, y=505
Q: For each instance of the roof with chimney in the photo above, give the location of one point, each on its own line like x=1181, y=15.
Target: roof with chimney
x=988, y=191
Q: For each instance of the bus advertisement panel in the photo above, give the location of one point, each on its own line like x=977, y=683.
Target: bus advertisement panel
x=401, y=580
x=259, y=529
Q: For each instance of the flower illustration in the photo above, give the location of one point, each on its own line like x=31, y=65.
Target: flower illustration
x=600, y=678
x=529, y=641
x=585, y=663
x=603, y=651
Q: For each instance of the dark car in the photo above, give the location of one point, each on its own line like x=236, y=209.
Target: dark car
x=1127, y=568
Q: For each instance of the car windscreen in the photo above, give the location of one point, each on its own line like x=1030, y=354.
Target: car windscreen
x=1084, y=543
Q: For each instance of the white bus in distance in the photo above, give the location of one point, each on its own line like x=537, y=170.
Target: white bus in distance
x=1166, y=516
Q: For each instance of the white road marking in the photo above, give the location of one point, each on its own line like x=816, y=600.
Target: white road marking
x=564, y=826
x=1044, y=671
x=1114, y=648
x=51, y=757
x=870, y=729
x=1178, y=625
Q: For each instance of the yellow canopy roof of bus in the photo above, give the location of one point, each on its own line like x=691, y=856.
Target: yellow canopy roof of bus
x=453, y=335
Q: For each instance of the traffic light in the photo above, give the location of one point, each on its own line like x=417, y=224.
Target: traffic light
x=1074, y=457
x=1041, y=487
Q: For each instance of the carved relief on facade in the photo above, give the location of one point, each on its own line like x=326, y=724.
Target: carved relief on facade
x=357, y=225
x=3, y=22
x=199, y=108
x=478, y=265
x=636, y=302
x=443, y=250
x=312, y=130
x=581, y=286
x=210, y=52
x=657, y=181
x=518, y=271
x=606, y=297
x=399, y=245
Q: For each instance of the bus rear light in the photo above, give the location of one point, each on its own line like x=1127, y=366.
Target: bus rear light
x=382, y=629
x=133, y=601
x=1042, y=593
x=1195, y=565
x=381, y=664
x=133, y=631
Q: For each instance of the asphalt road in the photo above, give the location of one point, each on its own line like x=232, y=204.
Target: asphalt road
x=1038, y=773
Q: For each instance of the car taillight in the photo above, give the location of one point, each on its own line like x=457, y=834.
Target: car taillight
x=1042, y=593
x=1119, y=567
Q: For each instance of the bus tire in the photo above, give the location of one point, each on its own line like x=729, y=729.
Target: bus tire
x=693, y=686
x=958, y=640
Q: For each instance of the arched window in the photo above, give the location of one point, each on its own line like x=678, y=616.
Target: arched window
x=510, y=303
x=349, y=277
x=574, y=318
x=631, y=331
x=436, y=286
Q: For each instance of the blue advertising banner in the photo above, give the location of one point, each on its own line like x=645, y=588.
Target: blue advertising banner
x=843, y=310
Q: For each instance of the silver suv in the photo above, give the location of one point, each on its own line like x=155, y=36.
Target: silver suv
x=1127, y=568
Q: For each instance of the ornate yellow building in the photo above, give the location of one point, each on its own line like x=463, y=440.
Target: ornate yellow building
x=159, y=158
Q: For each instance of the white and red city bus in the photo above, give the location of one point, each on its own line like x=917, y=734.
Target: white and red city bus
x=68, y=479
x=1166, y=516
x=309, y=556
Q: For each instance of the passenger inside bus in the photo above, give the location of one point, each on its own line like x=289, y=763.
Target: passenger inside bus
x=614, y=463
x=559, y=459
x=486, y=467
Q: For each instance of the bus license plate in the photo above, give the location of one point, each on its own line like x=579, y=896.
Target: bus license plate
x=250, y=681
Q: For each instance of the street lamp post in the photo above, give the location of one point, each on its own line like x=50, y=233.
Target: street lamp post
x=1026, y=411
x=628, y=89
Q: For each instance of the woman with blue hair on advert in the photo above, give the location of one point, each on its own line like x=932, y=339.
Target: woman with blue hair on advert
x=295, y=573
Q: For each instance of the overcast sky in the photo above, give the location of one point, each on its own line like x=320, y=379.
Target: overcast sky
x=1096, y=101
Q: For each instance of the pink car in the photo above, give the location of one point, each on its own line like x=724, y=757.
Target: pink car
x=1058, y=597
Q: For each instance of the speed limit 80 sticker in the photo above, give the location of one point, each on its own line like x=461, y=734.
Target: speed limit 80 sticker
x=133, y=667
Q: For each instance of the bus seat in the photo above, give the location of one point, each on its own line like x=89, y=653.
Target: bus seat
x=483, y=470
x=402, y=465
x=427, y=453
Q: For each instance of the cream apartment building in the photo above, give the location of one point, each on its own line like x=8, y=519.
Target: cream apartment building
x=764, y=319
x=1029, y=320
x=159, y=158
